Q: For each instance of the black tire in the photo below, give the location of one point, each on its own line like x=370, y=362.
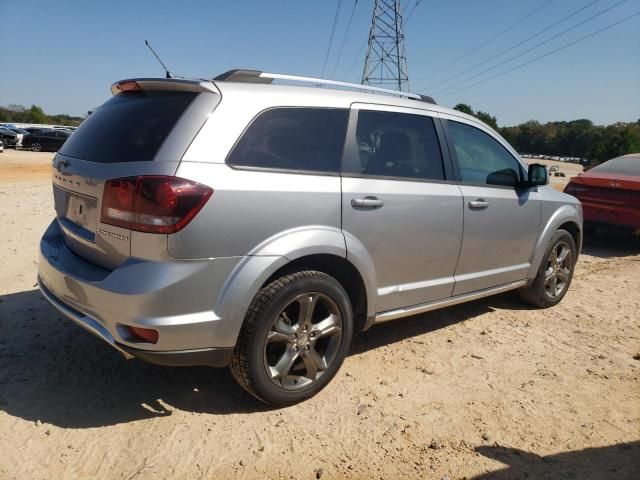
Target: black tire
x=262, y=345
x=542, y=292
x=36, y=147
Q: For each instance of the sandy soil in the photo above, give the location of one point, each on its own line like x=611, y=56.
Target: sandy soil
x=490, y=389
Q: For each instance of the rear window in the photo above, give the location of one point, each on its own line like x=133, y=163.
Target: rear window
x=128, y=127
x=292, y=138
x=627, y=165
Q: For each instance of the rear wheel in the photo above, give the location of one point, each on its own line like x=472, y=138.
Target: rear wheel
x=555, y=273
x=295, y=337
x=36, y=147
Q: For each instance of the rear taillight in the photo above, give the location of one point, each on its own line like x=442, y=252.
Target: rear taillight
x=152, y=204
x=570, y=188
x=575, y=189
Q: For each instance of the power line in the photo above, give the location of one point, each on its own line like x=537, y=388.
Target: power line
x=346, y=34
x=406, y=19
x=475, y=49
x=355, y=60
x=333, y=31
x=514, y=46
x=601, y=12
x=545, y=55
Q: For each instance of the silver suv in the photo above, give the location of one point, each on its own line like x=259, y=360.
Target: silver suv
x=239, y=222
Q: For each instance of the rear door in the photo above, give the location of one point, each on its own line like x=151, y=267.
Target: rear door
x=501, y=222
x=397, y=201
x=142, y=131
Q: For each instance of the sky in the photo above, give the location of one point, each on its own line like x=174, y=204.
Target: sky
x=63, y=55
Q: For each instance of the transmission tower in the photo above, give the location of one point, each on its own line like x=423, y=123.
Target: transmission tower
x=386, y=62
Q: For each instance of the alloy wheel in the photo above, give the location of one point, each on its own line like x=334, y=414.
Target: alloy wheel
x=36, y=147
x=303, y=341
x=558, y=271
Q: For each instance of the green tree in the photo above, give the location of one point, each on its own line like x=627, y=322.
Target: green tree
x=36, y=115
x=483, y=116
x=487, y=118
x=464, y=108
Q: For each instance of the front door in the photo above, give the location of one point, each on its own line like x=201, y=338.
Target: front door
x=501, y=221
x=397, y=204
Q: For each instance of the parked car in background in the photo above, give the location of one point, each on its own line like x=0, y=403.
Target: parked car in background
x=20, y=132
x=610, y=193
x=236, y=223
x=9, y=137
x=35, y=129
x=46, y=140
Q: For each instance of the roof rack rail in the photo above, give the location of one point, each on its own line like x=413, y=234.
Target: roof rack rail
x=256, y=76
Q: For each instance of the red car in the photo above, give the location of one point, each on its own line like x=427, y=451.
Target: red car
x=610, y=193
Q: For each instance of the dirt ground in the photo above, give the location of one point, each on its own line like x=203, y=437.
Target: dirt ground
x=490, y=389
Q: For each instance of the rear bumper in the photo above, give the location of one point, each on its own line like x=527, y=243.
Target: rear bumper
x=176, y=298
x=212, y=357
x=622, y=216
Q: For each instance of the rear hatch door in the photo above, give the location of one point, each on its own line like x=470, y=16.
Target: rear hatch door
x=144, y=129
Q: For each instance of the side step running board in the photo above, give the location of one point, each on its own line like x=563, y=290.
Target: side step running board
x=446, y=302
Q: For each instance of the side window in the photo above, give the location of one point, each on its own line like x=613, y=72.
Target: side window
x=481, y=158
x=397, y=145
x=309, y=139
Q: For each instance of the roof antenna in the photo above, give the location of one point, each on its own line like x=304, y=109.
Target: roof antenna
x=168, y=74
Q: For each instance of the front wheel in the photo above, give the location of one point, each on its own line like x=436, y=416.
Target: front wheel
x=295, y=337
x=36, y=147
x=555, y=272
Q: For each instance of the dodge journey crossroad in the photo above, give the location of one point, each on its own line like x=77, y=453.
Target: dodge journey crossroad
x=258, y=221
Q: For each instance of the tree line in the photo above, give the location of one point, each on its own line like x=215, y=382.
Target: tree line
x=577, y=138
x=35, y=114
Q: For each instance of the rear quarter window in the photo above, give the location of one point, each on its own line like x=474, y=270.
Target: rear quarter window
x=291, y=138
x=128, y=127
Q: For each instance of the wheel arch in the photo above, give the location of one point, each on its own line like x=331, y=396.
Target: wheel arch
x=576, y=232
x=318, y=248
x=339, y=268
x=567, y=217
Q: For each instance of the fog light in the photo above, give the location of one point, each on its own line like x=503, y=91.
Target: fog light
x=146, y=335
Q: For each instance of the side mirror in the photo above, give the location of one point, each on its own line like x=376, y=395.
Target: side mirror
x=536, y=176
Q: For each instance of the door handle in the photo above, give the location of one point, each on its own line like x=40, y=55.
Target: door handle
x=479, y=204
x=367, y=202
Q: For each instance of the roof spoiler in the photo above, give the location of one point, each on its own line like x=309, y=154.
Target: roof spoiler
x=256, y=76
x=163, y=84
